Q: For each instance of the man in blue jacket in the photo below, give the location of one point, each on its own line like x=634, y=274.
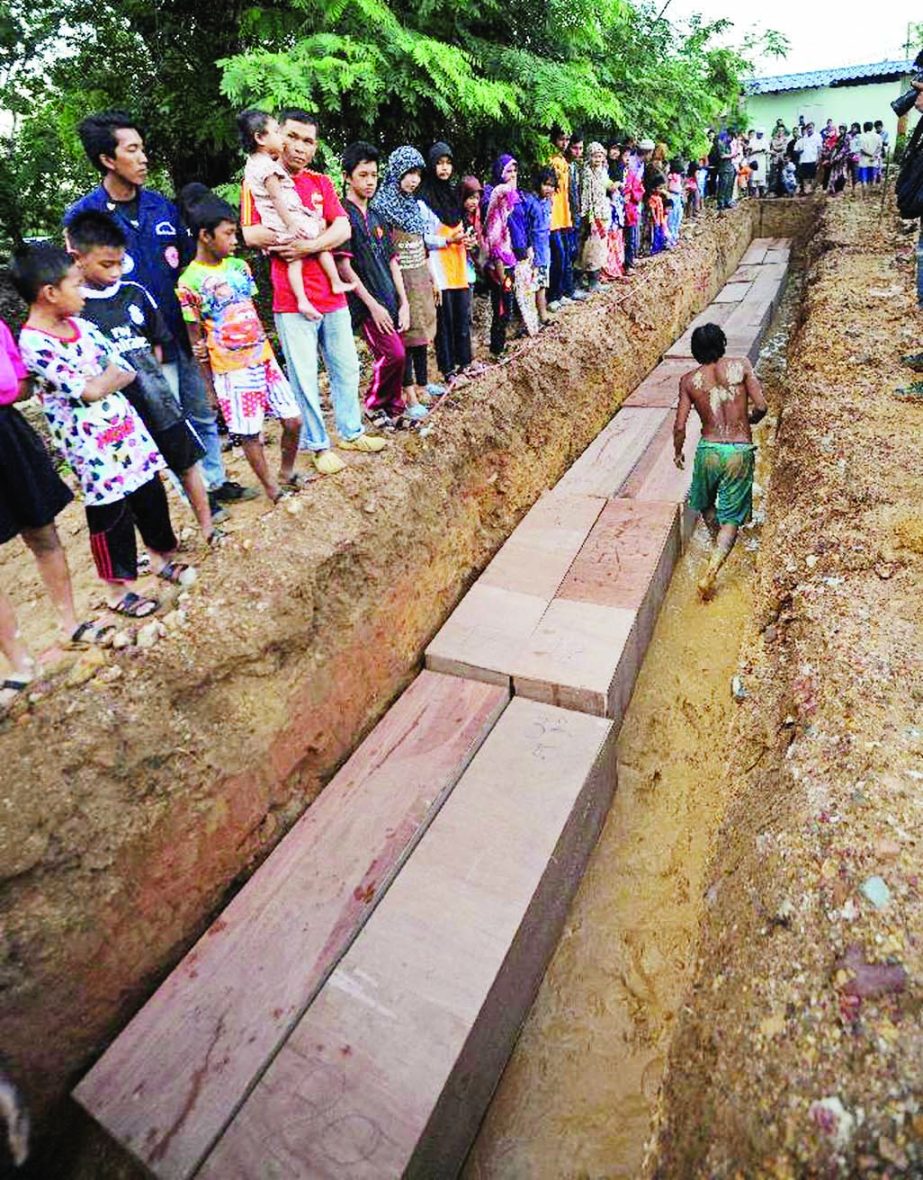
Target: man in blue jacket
x=158, y=248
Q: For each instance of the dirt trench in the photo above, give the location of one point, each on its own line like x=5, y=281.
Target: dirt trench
x=799, y=1050
x=132, y=806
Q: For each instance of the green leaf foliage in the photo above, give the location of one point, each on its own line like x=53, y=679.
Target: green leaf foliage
x=487, y=76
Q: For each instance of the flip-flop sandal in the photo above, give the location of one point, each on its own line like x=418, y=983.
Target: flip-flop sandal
x=90, y=633
x=178, y=573
x=217, y=537
x=135, y=606
x=283, y=494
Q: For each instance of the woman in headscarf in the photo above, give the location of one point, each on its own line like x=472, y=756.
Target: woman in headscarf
x=397, y=205
x=447, y=241
x=596, y=214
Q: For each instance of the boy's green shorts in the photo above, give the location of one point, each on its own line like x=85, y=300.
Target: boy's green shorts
x=722, y=478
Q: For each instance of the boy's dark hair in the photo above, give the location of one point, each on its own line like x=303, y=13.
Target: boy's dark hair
x=200, y=208
x=250, y=124
x=575, y=137
x=97, y=134
x=358, y=153
x=556, y=132
x=879, y=123
x=867, y=125
x=92, y=228
x=546, y=175
x=298, y=115
x=709, y=344
x=36, y=265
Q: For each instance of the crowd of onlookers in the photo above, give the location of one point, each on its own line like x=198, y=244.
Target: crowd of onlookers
x=797, y=161
x=143, y=340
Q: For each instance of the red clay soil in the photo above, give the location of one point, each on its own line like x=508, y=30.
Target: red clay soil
x=800, y=1050
x=135, y=800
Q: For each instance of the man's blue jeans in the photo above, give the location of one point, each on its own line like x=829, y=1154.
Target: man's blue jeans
x=333, y=336
x=561, y=281
x=185, y=379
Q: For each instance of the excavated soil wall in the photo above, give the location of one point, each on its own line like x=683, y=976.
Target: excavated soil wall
x=132, y=804
x=798, y=1052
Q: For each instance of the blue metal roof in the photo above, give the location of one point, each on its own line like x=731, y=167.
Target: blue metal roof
x=839, y=76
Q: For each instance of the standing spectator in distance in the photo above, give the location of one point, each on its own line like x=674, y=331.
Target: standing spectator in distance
x=378, y=302
x=777, y=157
x=538, y=221
x=675, y=201
x=869, y=144
x=31, y=496
x=470, y=194
x=808, y=148
x=693, y=195
x=885, y=143
x=758, y=155
x=575, y=171
x=501, y=256
x=402, y=215
x=157, y=247
x=216, y=294
x=279, y=204
x=561, y=284
x=839, y=161
x=596, y=214
x=448, y=244
x=301, y=339
x=727, y=170
x=828, y=130
x=633, y=192
x=128, y=317
x=80, y=376
x=854, y=132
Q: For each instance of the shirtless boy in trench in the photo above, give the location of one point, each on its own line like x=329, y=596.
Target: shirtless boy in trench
x=729, y=399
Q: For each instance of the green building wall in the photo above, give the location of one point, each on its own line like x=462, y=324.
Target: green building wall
x=842, y=104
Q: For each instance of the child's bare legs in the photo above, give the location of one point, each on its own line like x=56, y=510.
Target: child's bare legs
x=52, y=566
x=328, y=265
x=194, y=487
x=296, y=278
x=541, y=304
x=255, y=454
x=14, y=649
x=291, y=430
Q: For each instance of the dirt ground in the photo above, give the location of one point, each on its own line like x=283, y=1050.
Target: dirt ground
x=144, y=785
x=800, y=1052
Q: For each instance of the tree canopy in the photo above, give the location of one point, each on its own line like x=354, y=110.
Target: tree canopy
x=487, y=76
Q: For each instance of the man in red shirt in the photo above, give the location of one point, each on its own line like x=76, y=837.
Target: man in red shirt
x=300, y=337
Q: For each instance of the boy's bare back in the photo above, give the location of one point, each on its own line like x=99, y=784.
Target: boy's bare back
x=723, y=394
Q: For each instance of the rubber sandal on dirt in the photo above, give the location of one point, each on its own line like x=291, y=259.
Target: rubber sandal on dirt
x=327, y=463
x=177, y=573
x=216, y=537
x=283, y=494
x=135, y=606
x=89, y=633
x=365, y=442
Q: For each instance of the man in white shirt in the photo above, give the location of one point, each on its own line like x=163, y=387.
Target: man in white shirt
x=869, y=144
x=808, y=148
